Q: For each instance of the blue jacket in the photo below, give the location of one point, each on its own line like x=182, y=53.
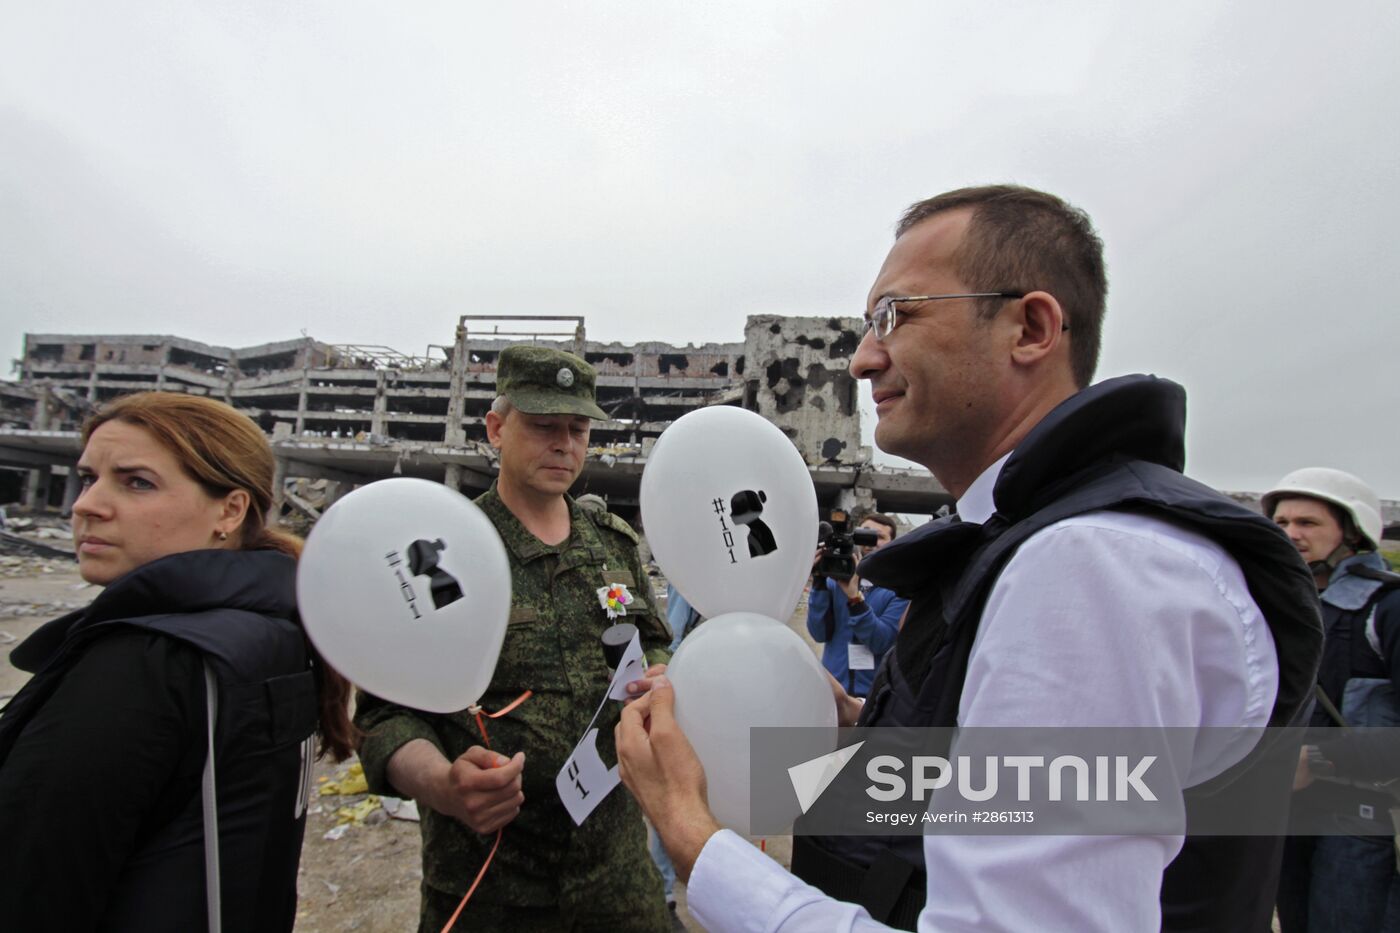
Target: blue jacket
x=874, y=626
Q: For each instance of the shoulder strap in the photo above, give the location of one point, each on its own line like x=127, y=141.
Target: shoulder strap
x=1386, y=578
x=605, y=519
x=1328, y=706
x=211, y=809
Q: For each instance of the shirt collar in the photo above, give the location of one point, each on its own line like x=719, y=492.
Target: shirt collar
x=977, y=504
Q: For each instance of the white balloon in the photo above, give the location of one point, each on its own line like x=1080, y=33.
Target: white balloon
x=730, y=512
x=738, y=671
x=404, y=588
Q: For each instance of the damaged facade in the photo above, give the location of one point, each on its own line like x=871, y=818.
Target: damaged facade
x=350, y=414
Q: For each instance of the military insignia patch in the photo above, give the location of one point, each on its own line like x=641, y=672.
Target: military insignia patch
x=565, y=377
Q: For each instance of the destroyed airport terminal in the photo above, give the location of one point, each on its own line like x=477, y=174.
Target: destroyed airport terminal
x=344, y=415
x=351, y=414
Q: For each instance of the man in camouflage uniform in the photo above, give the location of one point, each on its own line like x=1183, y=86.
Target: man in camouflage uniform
x=548, y=874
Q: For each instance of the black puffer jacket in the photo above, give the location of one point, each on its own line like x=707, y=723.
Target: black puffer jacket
x=102, y=752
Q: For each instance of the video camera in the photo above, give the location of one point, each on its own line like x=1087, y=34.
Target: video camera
x=839, y=540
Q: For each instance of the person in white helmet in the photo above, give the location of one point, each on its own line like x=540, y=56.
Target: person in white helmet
x=1335, y=882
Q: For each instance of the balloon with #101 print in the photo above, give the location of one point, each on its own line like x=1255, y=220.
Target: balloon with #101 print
x=404, y=587
x=735, y=672
x=730, y=512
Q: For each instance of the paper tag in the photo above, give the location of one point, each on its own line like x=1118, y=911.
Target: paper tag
x=860, y=657
x=583, y=782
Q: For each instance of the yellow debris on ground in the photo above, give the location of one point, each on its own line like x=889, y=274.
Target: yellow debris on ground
x=358, y=812
x=351, y=782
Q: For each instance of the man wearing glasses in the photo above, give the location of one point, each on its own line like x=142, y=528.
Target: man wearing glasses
x=1083, y=582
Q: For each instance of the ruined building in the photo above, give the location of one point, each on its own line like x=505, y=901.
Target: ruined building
x=352, y=414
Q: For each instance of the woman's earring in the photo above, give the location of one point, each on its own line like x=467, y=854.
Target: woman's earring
x=223, y=536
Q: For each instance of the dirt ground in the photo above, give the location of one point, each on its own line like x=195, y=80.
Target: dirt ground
x=366, y=879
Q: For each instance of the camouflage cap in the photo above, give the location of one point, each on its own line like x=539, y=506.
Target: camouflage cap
x=543, y=381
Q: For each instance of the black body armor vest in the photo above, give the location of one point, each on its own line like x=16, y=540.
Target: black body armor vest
x=1117, y=446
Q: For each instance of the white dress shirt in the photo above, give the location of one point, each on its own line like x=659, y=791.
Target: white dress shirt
x=1104, y=619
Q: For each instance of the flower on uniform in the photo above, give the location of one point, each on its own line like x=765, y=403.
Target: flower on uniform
x=614, y=599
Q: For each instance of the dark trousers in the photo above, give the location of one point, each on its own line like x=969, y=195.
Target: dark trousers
x=1339, y=884
x=587, y=916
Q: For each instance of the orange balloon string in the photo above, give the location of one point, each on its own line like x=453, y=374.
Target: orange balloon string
x=456, y=913
x=481, y=724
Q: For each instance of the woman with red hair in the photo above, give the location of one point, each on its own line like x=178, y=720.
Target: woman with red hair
x=154, y=772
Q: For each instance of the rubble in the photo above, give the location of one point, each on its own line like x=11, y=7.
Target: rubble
x=359, y=812
x=22, y=599
x=23, y=544
x=19, y=610
x=345, y=415
x=352, y=781
x=400, y=809
x=27, y=565
x=37, y=534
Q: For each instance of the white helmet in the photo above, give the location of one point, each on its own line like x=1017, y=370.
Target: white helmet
x=1341, y=489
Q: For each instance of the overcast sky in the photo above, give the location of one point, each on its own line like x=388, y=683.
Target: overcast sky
x=244, y=172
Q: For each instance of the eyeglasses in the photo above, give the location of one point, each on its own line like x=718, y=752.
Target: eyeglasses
x=882, y=319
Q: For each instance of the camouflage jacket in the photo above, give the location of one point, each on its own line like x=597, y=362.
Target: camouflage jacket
x=551, y=647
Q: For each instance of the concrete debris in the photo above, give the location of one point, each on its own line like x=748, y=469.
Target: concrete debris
x=400, y=809
x=357, y=813
x=21, y=544
x=11, y=609
x=342, y=415
x=302, y=504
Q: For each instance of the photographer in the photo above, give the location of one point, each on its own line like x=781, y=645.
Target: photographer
x=855, y=620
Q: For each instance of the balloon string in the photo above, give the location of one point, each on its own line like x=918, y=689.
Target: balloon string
x=467, y=896
x=479, y=712
x=481, y=724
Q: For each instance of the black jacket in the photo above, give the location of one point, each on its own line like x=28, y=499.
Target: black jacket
x=101, y=753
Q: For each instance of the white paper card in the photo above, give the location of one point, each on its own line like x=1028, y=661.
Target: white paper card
x=860, y=657
x=583, y=782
